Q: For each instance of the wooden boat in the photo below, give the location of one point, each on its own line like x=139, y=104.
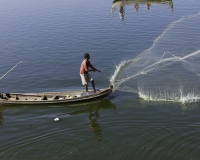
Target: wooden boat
x=54, y=97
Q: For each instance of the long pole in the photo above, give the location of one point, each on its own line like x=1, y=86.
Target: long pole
x=10, y=70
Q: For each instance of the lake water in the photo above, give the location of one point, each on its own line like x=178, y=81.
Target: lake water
x=150, y=52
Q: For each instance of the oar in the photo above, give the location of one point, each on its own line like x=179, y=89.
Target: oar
x=10, y=70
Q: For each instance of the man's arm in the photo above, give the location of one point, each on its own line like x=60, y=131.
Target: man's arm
x=94, y=69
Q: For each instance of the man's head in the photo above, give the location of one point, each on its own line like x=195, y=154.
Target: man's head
x=86, y=56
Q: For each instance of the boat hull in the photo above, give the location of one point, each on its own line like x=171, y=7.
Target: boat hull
x=55, y=97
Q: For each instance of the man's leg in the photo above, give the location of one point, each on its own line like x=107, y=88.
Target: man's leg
x=93, y=85
x=86, y=88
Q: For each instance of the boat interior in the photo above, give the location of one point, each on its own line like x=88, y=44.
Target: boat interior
x=46, y=96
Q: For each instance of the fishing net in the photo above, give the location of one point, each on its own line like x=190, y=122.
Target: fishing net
x=169, y=69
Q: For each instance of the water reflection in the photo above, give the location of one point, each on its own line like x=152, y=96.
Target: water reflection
x=1, y=116
x=121, y=12
x=136, y=3
x=94, y=125
x=93, y=110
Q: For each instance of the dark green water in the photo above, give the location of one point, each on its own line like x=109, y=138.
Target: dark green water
x=51, y=38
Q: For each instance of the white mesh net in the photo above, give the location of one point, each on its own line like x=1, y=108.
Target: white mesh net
x=169, y=69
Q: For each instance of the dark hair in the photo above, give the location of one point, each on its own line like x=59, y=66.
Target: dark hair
x=86, y=55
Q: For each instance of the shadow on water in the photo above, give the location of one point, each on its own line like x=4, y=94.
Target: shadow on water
x=136, y=3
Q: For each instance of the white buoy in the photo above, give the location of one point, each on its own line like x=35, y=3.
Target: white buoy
x=56, y=119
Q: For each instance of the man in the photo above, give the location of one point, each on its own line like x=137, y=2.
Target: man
x=4, y=95
x=85, y=76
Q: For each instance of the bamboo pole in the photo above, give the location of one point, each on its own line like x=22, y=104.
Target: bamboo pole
x=10, y=70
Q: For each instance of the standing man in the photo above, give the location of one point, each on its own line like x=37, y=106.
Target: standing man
x=85, y=76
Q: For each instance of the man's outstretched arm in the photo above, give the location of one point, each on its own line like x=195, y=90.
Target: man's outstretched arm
x=93, y=69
